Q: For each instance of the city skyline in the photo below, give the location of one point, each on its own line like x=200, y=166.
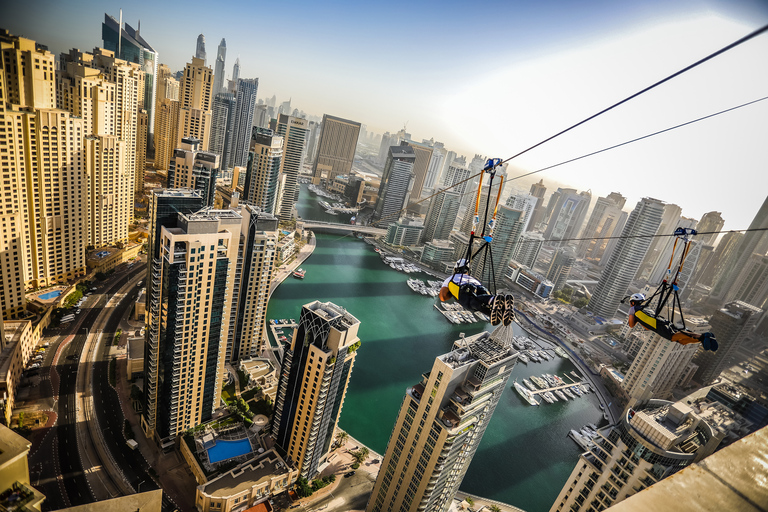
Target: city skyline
x=545, y=77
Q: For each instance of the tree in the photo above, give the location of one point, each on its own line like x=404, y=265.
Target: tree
x=581, y=302
x=361, y=455
x=495, y=508
x=342, y=437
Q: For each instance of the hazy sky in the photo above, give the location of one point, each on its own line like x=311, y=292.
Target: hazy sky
x=494, y=78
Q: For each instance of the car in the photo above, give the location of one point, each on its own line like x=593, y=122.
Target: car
x=295, y=506
x=349, y=474
x=375, y=461
x=33, y=366
x=139, y=284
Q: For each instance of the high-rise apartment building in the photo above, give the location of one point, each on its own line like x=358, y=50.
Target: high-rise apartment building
x=455, y=177
x=200, y=48
x=659, y=364
x=440, y=424
x=537, y=190
x=435, y=168
x=441, y=216
x=669, y=222
x=166, y=131
x=753, y=241
x=567, y=214
x=218, y=68
x=601, y=225
x=195, y=169
x=222, y=124
x=560, y=266
x=142, y=131
x=710, y=221
x=313, y=382
x=470, y=199
x=195, y=103
x=395, y=184
x=651, y=442
x=235, y=74
x=262, y=178
x=44, y=209
x=110, y=205
x=626, y=258
x=423, y=155
x=527, y=249
x=506, y=233
x=406, y=231
x=751, y=284
x=731, y=324
x=526, y=203
x=242, y=122
x=336, y=148
x=611, y=245
x=167, y=86
x=131, y=47
x=294, y=132
x=256, y=263
x=188, y=314
x=665, y=254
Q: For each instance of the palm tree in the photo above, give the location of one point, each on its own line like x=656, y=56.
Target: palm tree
x=495, y=508
x=361, y=455
x=342, y=437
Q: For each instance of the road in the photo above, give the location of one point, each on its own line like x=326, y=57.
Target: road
x=58, y=462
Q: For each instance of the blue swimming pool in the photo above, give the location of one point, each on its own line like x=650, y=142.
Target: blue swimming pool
x=224, y=450
x=50, y=295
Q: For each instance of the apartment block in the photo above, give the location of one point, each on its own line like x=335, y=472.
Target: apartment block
x=316, y=369
x=440, y=424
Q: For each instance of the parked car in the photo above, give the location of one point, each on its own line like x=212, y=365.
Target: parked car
x=349, y=474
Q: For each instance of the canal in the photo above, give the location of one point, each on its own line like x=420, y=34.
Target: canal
x=525, y=456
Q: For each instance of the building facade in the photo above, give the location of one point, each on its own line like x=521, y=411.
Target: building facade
x=222, y=123
x=336, y=147
x=242, y=122
x=316, y=370
x=187, y=318
x=195, y=102
x=262, y=178
x=195, y=169
x=626, y=258
x=294, y=131
x=440, y=424
x=395, y=184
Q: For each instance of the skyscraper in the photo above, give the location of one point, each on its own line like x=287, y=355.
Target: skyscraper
x=395, y=184
x=669, y=221
x=218, y=68
x=313, y=381
x=46, y=247
x=336, y=148
x=423, y=154
x=166, y=131
x=567, y=215
x=258, y=241
x=133, y=48
x=200, y=48
x=710, y=221
x=242, y=123
x=262, y=177
x=509, y=227
x=222, y=123
x=294, y=131
x=754, y=241
x=235, y=72
x=601, y=224
x=440, y=424
x=751, y=284
x=665, y=254
x=456, y=176
x=441, y=216
x=435, y=168
x=626, y=258
x=537, y=190
x=651, y=442
x=527, y=248
x=195, y=107
x=731, y=324
x=526, y=203
x=111, y=190
x=195, y=169
x=560, y=267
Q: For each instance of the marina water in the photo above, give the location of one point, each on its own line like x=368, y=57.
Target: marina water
x=525, y=456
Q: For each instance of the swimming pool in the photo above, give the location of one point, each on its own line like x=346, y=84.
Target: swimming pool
x=224, y=450
x=50, y=295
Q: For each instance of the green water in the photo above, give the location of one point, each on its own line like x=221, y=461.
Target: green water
x=524, y=458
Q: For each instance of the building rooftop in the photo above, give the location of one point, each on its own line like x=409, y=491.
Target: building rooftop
x=149, y=501
x=255, y=472
x=484, y=347
x=733, y=478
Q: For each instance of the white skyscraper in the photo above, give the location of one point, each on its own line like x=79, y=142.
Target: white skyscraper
x=526, y=203
x=218, y=69
x=626, y=258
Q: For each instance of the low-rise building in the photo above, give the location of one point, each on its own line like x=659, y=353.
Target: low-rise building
x=437, y=254
x=286, y=248
x=105, y=259
x=246, y=485
x=527, y=279
x=405, y=232
x=261, y=373
x=16, y=345
x=16, y=493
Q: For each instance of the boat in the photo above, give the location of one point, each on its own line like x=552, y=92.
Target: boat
x=551, y=396
x=534, y=357
x=538, y=381
x=561, y=395
x=299, y=273
x=567, y=392
x=562, y=353
x=525, y=394
x=529, y=384
x=522, y=357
